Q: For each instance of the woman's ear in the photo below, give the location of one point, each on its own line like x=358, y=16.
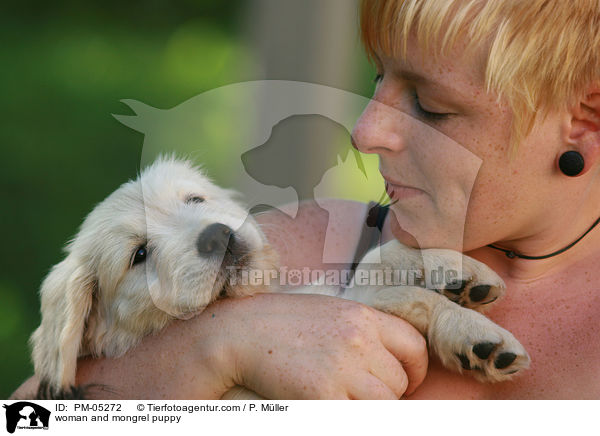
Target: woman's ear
x=584, y=130
x=66, y=295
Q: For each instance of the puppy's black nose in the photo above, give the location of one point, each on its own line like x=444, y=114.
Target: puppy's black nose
x=214, y=239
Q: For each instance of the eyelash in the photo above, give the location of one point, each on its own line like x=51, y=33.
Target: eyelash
x=430, y=116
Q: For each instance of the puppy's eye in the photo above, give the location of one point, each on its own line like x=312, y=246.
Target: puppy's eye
x=139, y=256
x=190, y=199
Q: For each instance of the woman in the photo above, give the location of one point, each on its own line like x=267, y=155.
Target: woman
x=517, y=84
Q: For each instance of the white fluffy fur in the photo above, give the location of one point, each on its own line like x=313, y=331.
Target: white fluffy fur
x=95, y=303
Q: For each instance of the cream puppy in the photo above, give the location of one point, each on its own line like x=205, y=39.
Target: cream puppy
x=156, y=249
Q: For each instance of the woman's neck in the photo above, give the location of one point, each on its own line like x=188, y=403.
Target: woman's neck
x=528, y=270
x=544, y=242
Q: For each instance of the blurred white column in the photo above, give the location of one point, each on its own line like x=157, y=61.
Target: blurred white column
x=310, y=41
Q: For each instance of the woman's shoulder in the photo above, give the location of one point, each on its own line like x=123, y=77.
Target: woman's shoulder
x=315, y=233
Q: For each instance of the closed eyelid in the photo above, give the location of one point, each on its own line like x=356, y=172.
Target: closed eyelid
x=406, y=95
x=408, y=89
x=431, y=115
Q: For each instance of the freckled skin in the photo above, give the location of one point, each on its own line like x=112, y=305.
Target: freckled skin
x=552, y=306
x=556, y=319
x=514, y=196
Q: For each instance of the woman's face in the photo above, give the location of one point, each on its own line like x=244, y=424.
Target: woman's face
x=443, y=143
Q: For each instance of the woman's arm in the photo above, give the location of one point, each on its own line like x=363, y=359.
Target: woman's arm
x=280, y=346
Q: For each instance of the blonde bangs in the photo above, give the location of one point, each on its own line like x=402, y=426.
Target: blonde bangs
x=540, y=54
x=387, y=24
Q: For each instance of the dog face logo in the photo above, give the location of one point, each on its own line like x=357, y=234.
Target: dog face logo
x=26, y=415
x=248, y=118
x=239, y=118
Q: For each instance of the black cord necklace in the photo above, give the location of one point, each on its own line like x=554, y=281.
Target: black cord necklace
x=511, y=254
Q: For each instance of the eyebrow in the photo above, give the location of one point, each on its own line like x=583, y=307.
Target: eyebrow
x=447, y=95
x=417, y=78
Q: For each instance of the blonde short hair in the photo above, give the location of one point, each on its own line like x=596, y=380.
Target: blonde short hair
x=542, y=54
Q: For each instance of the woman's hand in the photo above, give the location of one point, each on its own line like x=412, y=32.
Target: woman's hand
x=315, y=347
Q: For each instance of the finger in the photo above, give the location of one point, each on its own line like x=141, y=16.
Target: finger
x=407, y=345
x=389, y=370
x=369, y=387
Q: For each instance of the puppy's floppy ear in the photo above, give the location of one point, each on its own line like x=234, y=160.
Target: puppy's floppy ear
x=66, y=294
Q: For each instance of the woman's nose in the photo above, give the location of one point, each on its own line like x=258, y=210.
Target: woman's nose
x=378, y=129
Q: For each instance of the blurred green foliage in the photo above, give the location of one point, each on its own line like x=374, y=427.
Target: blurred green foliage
x=65, y=67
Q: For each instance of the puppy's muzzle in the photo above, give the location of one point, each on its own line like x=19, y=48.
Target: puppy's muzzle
x=219, y=240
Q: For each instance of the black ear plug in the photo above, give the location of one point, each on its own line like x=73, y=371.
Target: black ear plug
x=571, y=163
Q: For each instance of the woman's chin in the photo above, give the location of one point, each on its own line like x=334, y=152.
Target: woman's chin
x=402, y=235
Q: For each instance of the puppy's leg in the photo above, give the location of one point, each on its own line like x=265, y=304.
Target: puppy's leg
x=463, y=339
x=466, y=340
x=459, y=278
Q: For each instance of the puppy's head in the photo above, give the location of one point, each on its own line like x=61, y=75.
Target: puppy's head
x=160, y=247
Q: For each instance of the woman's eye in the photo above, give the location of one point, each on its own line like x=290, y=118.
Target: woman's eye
x=424, y=113
x=190, y=199
x=140, y=255
x=420, y=110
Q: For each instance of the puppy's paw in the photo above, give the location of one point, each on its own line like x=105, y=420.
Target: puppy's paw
x=473, y=293
x=468, y=342
x=464, y=281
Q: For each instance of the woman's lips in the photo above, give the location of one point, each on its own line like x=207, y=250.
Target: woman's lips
x=399, y=192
